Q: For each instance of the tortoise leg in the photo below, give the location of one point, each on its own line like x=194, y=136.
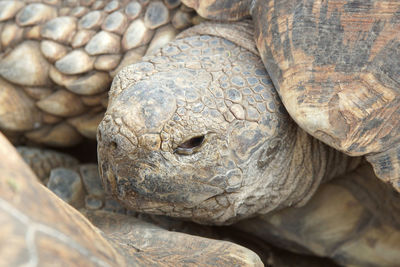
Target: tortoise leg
x=77, y=184
x=101, y=210
x=38, y=228
x=147, y=244
x=354, y=219
x=57, y=60
x=56, y=169
x=42, y=161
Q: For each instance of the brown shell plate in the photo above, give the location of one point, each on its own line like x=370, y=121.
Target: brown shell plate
x=335, y=64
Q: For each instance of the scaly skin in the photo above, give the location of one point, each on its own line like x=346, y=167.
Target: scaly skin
x=354, y=219
x=335, y=65
x=42, y=161
x=109, y=215
x=57, y=60
x=253, y=158
x=39, y=229
x=184, y=135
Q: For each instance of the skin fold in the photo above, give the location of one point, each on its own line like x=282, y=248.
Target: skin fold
x=198, y=131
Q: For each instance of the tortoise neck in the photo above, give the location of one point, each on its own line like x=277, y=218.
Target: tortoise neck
x=314, y=163
x=240, y=33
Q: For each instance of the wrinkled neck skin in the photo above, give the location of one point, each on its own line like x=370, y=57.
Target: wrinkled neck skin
x=197, y=131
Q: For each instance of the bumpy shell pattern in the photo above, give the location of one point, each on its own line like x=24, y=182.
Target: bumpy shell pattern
x=39, y=229
x=336, y=67
x=57, y=60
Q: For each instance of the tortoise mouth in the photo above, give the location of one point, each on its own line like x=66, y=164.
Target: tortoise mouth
x=154, y=181
x=147, y=204
x=141, y=189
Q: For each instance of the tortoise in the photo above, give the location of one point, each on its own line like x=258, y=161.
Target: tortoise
x=188, y=150
x=47, y=231
x=127, y=231
x=57, y=60
x=335, y=67
x=198, y=131
x=80, y=186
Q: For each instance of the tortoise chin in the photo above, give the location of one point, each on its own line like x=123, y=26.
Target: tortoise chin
x=186, y=135
x=215, y=178
x=203, y=188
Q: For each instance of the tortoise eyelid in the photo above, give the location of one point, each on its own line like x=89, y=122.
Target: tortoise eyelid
x=190, y=146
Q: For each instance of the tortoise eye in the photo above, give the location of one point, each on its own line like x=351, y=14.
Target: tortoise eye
x=190, y=146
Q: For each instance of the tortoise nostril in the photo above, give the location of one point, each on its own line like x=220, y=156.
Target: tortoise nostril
x=99, y=136
x=113, y=145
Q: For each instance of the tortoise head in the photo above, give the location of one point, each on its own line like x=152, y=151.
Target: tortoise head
x=197, y=131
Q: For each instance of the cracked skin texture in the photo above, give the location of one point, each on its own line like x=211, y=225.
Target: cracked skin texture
x=335, y=65
x=197, y=131
x=180, y=138
x=39, y=229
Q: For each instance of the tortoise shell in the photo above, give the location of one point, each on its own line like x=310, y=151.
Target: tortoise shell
x=336, y=67
x=39, y=229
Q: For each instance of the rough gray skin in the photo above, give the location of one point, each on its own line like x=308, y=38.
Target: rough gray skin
x=335, y=64
x=39, y=229
x=101, y=210
x=197, y=131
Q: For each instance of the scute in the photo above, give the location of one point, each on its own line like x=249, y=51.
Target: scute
x=41, y=229
x=335, y=66
x=78, y=46
x=237, y=130
x=346, y=99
